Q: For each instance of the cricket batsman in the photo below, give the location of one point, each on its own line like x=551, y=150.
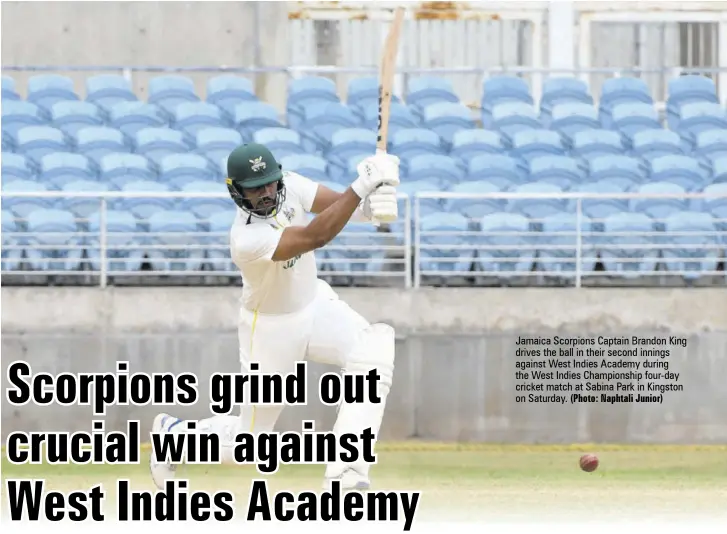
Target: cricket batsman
x=287, y=314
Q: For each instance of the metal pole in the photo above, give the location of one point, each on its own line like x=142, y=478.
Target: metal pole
x=102, y=243
x=417, y=242
x=579, y=241
x=407, y=243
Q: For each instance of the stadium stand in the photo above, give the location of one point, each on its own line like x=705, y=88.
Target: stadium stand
x=610, y=139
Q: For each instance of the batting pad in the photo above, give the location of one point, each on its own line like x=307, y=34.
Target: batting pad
x=374, y=350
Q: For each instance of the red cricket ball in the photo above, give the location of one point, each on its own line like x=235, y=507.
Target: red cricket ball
x=589, y=462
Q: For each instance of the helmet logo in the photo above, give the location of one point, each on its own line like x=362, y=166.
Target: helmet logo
x=258, y=164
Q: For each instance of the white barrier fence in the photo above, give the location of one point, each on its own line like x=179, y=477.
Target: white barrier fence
x=493, y=238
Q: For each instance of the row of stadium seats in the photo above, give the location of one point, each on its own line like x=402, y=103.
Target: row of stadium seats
x=226, y=91
x=628, y=244
x=320, y=121
x=472, y=207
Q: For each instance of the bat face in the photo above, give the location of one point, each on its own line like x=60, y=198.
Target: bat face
x=381, y=106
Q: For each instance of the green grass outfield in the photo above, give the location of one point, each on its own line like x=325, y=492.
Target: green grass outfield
x=480, y=482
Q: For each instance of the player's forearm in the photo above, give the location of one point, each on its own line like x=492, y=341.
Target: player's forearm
x=329, y=223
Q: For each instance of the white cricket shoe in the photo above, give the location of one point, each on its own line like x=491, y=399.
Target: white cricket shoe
x=350, y=480
x=161, y=472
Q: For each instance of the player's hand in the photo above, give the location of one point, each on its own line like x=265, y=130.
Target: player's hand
x=376, y=170
x=382, y=204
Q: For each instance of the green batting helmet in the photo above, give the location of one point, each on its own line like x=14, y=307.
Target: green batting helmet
x=249, y=167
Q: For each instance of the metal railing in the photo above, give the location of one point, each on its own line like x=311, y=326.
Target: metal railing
x=92, y=250
x=575, y=247
x=566, y=245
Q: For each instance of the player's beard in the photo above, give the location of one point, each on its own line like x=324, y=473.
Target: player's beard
x=265, y=206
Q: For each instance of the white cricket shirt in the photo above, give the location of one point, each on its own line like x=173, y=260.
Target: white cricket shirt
x=275, y=287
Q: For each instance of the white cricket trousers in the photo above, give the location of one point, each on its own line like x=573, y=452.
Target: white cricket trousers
x=325, y=332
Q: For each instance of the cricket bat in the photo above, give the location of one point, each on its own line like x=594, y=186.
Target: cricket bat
x=386, y=81
x=386, y=78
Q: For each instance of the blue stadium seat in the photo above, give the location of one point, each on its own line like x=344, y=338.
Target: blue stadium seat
x=500, y=89
x=650, y=144
x=719, y=170
x=684, y=90
x=157, y=143
x=400, y=116
x=119, y=169
x=505, y=245
x=57, y=229
x=716, y=205
x=204, y=208
x=563, y=90
x=427, y=206
x=351, y=170
x=122, y=233
x=219, y=225
x=423, y=91
x=217, y=143
x=37, y=141
x=711, y=145
x=529, y=144
x=59, y=168
x=513, y=117
x=623, y=171
x=407, y=143
x=558, y=245
x=8, y=143
x=307, y=91
x=617, y=91
x=447, y=118
x=596, y=208
x=130, y=117
x=681, y=170
x=699, y=117
x=572, y=118
x=70, y=116
x=628, y=246
x=475, y=207
x=467, y=144
x=249, y=117
x=12, y=252
x=659, y=208
x=503, y=171
x=82, y=206
x=95, y=142
x=308, y=165
x=177, y=232
x=191, y=117
x=16, y=167
x=45, y=90
x=177, y=170
x=440, y=232
x=21, y=206
x=227, y=91
x=350, y=142
x=170, y=91
x=107, y=90
x=9, y=91
x=535, y=207
x=436, y=168
x=324, y=119
x=363, y=92
x=19, y=114
x=347, y=258
x=691, y=244
x=590, y=144
x=281, y=141
x=562, y=171
x=630, y=119
x=144, y=207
